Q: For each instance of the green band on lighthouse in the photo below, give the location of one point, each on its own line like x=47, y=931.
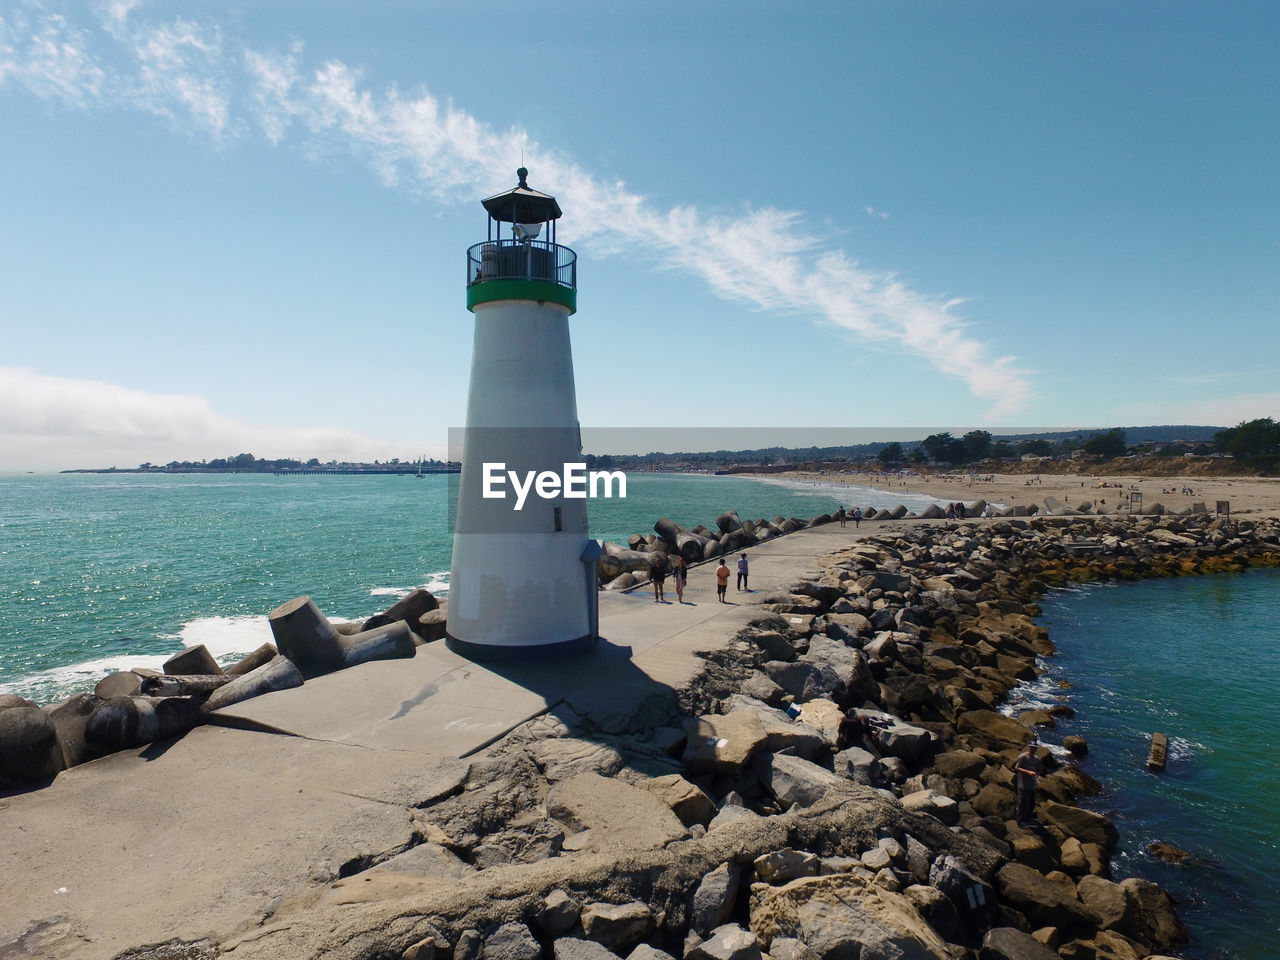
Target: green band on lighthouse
x=542, y=291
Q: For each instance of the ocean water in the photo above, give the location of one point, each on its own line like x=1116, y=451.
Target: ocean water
x=1196, y=658
x=102, y=572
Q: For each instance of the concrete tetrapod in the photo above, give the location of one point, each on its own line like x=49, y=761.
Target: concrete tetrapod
x=279, y=673
x=305, y=636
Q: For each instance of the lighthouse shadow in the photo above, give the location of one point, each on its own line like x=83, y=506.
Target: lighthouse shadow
x=601, y=691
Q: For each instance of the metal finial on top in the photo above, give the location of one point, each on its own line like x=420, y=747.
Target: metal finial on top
x=522, y=173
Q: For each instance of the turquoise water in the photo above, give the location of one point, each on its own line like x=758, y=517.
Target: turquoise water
x=1197, y=658
x=105, y=572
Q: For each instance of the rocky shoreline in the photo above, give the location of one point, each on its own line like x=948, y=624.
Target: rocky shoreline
x=737, y=822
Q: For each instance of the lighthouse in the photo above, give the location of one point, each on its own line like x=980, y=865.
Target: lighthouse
x=523, y=580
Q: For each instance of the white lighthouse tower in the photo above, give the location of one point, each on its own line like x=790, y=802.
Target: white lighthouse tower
x=523, y=581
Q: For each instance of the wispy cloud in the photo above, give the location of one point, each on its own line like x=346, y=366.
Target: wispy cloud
x=764, y=257
x=1212, y=379
x=875, y=214
x=43, y=417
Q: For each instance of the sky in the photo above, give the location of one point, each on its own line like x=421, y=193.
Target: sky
x=230, y=227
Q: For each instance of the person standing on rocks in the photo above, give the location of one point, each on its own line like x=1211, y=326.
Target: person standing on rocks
x=722, y=581
x=681, y=576
x=742, y=573
x=1026, y=769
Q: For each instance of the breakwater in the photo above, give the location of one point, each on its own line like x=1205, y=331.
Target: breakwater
x=549, y=830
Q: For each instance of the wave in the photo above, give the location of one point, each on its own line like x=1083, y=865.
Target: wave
x=227, y=638
x=437, y=584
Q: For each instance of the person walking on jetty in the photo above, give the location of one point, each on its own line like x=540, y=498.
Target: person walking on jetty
x=857, y=517
x=1026, y=769
x=742, y=573
x=840, y=515
x=722, y=581
x=658, y=574
x=681, y=576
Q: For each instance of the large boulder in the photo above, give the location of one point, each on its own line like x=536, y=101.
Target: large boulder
x=1085, y=825
x=511, y=941
x=1010, y=943
x=715, y=897
x=727, y=942
x=618, y=815
x=993, y=730
x=841, y=919
x=791, y=780
x=1045, y=902
x=686, y=800
x=618, y=926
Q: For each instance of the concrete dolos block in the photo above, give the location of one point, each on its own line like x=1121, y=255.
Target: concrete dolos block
x=305, y=636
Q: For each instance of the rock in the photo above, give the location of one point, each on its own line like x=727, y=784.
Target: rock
x=789, y=948
x=557, y=913
x=728, y=942
x=433, y=947
x=646, y=952
x=722, y=743
x=1085, y=825
x=760, y=687
x=960, y=764
x=935, y=804
x=1109, y=903
x=29, y=750
x=854, y=764
x=562, y=758
x=1010, y=943
x=939, y=912
x=896, y=738
x=1043, y=901
x=1167, y=852
x=1077, y=746
x=823, y=716
x=568, y=948
x=279, y=673
x=997, y=801
x=469, y=945
x=618, y=926
x=848, y=628
x=688, y=802
x=1157, y=921
x=192, y=660
x=793, y=780
x=618, y=815
x=995, y=730
x=715, y=897
x=972, y=897
x=1029, y=849
x=838, y=917
x=773, y=644
x=511, y=941
x=785, y=865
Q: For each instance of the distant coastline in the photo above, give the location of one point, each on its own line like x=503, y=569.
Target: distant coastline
x=351, y=469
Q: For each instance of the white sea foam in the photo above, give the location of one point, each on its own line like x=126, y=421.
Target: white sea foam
x=437, y=583
x=390, y=592
x=49, y=686
x=226, y=637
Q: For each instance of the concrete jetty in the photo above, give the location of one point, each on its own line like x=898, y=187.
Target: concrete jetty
x=208, y=835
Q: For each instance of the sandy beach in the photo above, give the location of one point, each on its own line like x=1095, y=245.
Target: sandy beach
x=1248, y=496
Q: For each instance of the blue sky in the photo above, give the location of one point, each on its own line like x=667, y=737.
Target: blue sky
x=231, y=228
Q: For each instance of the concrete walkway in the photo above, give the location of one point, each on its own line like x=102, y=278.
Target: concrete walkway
x=208, y=835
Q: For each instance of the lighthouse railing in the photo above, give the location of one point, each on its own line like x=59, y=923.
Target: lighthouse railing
x=522, y=260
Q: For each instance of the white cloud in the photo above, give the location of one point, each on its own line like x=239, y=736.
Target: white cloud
x=44, y=420
x=764, y=257
x=875, y=214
